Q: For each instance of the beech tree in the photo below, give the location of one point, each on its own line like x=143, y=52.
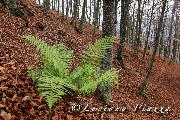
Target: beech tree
x=156, y=42
x=46, y=5
x=123, y=28
x=12, y=6
x=83, y=16
x=108, y=29
x=149, y=30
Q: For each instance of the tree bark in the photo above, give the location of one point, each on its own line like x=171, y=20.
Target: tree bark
x=123, y=28
x=108, y=29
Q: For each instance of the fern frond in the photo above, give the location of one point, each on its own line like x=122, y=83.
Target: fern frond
x=56, y=58
x=53, y=88
x=109, y=77
x=106, y=79
x=97, y=51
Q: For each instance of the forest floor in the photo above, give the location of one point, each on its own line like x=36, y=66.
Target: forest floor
x=19, y=99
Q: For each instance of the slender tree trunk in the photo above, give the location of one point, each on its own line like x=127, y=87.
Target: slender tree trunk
x=63, y=8
x=108, y=29
x=96, y=15
x=171, y=30
x=75, y=5
x=123, y=28
x=175, y=40
x=133, y=25
x=67, y=8
x=71, y=6
x=12, y=6
x=83, y=16
x=116, y=21
x=90, y=12
x=58, y=6
x=46, y=5
x=99, y=17
x=150, y=67
x=149, y=31
x=138, y=29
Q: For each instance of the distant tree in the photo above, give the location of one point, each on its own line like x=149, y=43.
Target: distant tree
x=108, y=29
x=71, y=6
x=138, y=26
x=90, y=11
x=171, y=29
x=149, y=30
x=75, y=10
x=83, y=16
x=67, y=8
x=63, y=8
x=176, y=40
x=46, y=5
x=12, y=6
x=123, y=28
x=156, y=42
x=96, y=15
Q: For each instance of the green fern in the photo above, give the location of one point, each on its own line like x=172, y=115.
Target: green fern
x=96, y=51
x=53, y=78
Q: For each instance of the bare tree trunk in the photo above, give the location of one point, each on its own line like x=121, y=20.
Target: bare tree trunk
x=58, y=2
x=12, y=6
x=149, y=31
x=175, y=40
x=75, y=5
x=83, y=16
x=133, y=25
x=63, y=8
x=144, y=83
x=46, y=5
x=71, y=6
x=123, y=29
x=95, y=20
x=67, y=8
x=170, y=30
x=90, y=12
x=108, y=29
x=138, y=28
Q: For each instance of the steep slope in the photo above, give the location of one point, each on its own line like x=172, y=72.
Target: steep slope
x=19, y=99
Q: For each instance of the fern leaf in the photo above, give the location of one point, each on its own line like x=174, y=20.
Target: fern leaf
x=56, y=58
x=96, y=51
x=53, y=88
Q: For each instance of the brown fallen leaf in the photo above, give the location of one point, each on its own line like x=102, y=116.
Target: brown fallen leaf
x=56, y=117
x=2, y=106
x=26, y=98
x=32, y=112
x=2, y=78
x=10, y=63
x=5, y=115
x=14, y=97
x=2, y=69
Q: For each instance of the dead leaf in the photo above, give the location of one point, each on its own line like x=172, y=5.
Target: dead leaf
x=56, y=117
x=2, y=106
x=14, y=97
x=5, y=115
x=2, y=69
x=26, y=98
x=32, y=112
x=3, y=78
